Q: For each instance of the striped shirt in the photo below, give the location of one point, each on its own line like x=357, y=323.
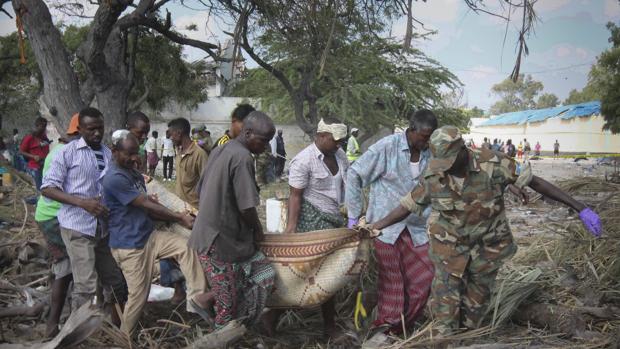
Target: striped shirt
x=222, y=140
x=100, y=159
x=76, y=171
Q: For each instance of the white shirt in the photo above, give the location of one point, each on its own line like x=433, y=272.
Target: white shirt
x=152, y=145
x=415, y=169
x=168, y=147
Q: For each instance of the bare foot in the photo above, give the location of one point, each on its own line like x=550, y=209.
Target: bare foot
x=179, y=293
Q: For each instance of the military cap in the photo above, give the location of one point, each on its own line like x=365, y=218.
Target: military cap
x=446, y=143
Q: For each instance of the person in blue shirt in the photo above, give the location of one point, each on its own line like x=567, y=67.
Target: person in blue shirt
x=391, y=168
x=135, y=244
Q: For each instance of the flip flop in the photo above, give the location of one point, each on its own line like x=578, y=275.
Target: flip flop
x=204, y=314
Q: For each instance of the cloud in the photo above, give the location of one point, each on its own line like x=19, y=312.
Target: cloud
x=436, y=11
x=543, y=6
x=565, y=53
x=612, y=10
x=476, y=49
x=480, y=72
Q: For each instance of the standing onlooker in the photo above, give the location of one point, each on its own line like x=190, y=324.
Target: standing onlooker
x=35, y=146
x=485, y=144
x=74, y=179
x=168, y=154
x=353, y=148
x=203, y=138
x=191, y=162
x=18, y=162
x=510, y=149
x=537, y=149
x=139, y=125
x=317, y=178
x=391, y=168
x=556, y=149
x=495, y=145
x=153, y=149
x=520, y=151
x=227, y=227
x=526, y=149
x=280, y=154
x=236, y=123
x=46, y=216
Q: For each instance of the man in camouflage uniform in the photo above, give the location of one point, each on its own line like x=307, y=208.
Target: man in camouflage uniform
x=264, y=167
x=468, y=231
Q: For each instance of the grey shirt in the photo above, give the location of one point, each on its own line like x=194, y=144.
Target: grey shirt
x=227, y=187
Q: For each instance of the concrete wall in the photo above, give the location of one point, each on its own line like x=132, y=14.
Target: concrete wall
x=575, y=135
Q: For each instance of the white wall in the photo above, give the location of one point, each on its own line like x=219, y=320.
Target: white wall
x=575, y=135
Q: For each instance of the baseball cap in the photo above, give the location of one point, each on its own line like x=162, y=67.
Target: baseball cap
x=73, y=124
x=446, y=143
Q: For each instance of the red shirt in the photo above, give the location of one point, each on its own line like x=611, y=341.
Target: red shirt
x=36, y=146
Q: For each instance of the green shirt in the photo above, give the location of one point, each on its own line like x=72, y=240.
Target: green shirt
x=47, y=208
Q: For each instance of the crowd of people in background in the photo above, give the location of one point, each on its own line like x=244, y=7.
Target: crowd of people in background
x=521, y=152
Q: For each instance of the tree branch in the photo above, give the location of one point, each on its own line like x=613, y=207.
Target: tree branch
x=136, y=105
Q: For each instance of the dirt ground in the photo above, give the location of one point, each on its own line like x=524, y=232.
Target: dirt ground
x=168, y=326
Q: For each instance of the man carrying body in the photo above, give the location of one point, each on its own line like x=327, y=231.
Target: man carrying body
x=353, y=148
x=469, y=232
x=74, y=180
x=190, y=163
x=317, y=182
x=392, y=167
x=152, y=148
x=134, y=243
x=226, y=233
x=47, y=220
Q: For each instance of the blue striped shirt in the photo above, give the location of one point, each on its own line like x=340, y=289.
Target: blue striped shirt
x=385, y=168
x=75, y=171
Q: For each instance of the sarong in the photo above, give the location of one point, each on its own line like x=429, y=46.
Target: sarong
x=311, y=219
x=152, y=159
x=405, y=277
x=241, y=289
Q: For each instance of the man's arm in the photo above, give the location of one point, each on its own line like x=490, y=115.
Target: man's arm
x=367, y=169
x=414, y=202
x=294, y=207
x=551, y=191
x=91, y=205
x=250, y=217
x=395, y=216
x=160, y=212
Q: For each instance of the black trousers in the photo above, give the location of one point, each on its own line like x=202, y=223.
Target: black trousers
x=168, y=166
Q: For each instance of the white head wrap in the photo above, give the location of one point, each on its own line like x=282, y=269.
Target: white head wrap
x=338, y=131
x=119, y=135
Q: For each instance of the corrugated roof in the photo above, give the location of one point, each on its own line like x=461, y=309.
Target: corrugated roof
x=537, y=115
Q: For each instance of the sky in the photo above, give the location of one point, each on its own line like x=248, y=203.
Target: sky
x=568, y=37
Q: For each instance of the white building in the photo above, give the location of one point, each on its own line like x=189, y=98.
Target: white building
x=577, y=127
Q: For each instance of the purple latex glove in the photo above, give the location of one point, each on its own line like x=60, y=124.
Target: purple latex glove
x=591, y=221
x=352, y=222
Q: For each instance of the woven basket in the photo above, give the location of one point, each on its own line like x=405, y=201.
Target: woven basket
x=310, y=267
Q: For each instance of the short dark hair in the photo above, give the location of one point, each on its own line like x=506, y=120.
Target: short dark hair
x=40, y=121
x=241, y=111
x=180, y=124
x=15, y=131
x=89, y=112
x=155, y=134
x=423, y=119
x=136, y=116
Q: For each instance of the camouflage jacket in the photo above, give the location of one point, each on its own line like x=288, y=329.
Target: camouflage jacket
x=463, y=220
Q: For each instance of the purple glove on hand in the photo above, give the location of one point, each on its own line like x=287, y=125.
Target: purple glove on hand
x=591, y=221
x=352, y=222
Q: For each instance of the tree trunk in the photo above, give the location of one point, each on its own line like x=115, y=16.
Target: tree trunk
x=61, y=90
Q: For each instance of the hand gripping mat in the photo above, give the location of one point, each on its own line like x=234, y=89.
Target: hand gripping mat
x=310, y=267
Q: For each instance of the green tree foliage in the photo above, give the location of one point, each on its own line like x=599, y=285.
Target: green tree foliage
x=326, y=60
x=19, y=86
x=162, y=76
x=547, y=100
x=515, y=96
x=592, y=91
x=609, y=61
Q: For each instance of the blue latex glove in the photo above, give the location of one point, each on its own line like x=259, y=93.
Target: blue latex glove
x=352, y=222
x=591, y=221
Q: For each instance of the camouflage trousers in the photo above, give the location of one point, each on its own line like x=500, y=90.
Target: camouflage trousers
x=460, y=299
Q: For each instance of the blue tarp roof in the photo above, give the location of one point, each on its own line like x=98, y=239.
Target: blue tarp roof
x=537, y=115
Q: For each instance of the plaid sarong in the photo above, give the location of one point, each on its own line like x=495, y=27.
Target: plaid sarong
x=241, y=289
x=311, y=219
